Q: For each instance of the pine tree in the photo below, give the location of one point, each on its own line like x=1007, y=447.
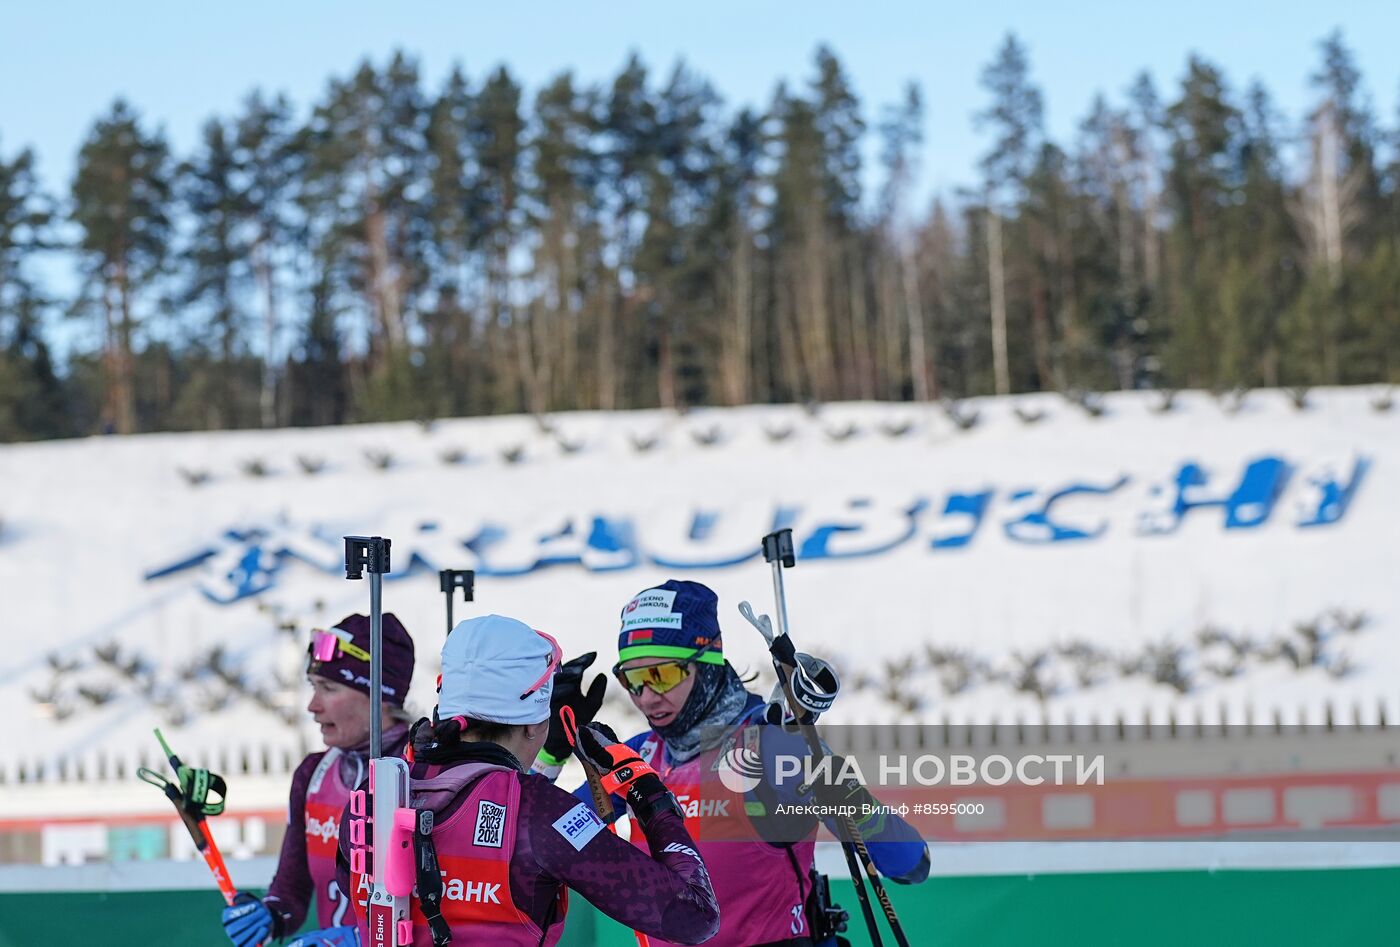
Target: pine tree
x=1338, y=79
x=1115, y=241
x=407, y=232
x=1046, y=261
x=848, y=333
x=329, y=198
x=635, y=244
x=497, y=140
x=362, y=195
x=799, y=232
x=628, y=138
x=1146, y=126
x=734, y=219
x=675, y=276
x=216, y=263
x=1016, y=119
x=1338, y=212
x=451, y=209
x=31, y=395
x=565, y=211
x=939, y=261
x=1265, y=240
x=1203, y=178
x=271, y=164
x=121, y=197
x=317, y=370
x=902, y=131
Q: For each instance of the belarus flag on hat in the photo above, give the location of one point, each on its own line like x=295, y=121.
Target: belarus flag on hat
x=641, y=636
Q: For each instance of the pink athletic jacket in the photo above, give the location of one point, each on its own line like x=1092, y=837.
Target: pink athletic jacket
x=510, y=843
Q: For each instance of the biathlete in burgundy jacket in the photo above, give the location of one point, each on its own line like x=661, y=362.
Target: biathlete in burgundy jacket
x=338, y=669
x=761, y=859
x=509, y=844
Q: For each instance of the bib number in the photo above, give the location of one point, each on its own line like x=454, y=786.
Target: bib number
x=337, y=897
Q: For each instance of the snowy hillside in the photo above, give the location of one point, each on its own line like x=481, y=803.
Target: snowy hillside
x=1213, y=557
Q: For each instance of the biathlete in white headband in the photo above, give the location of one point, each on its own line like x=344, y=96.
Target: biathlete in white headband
x=510, y=844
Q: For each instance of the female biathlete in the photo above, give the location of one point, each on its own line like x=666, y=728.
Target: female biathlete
x=760, y=853
x=338, y=669
x=508, y=844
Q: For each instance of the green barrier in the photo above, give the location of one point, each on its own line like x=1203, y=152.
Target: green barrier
x=174, y=918
x=1355, y=907
x=1281, y=908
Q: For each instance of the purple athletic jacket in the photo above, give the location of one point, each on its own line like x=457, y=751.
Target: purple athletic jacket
x=666, y=894
x=289, y=895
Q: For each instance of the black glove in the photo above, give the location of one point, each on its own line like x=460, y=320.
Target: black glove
x=569, y=692
x=849, y=792
x=623, y=772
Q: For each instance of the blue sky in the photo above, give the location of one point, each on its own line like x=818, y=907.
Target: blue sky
x=62, y=62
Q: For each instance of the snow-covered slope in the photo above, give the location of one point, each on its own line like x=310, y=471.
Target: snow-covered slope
x=937, y=560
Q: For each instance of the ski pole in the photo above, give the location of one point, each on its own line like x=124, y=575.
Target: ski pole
x=382, y=825
x=193, y=817
x=371, y=554
x=451, y=579
x=779, y=553
x=602, y=802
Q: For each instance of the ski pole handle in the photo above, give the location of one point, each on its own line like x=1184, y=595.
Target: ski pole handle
x=449, y=580
x=777, y=547
x=779, y=553
x=197, y=825
x=602, y=802
x=371, y=554
x=198, y=828
x=366, y=554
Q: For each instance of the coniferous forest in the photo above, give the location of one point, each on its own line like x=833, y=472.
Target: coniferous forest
x=395, y=250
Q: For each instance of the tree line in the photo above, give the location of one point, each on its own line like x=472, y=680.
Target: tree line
x=405, y=252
